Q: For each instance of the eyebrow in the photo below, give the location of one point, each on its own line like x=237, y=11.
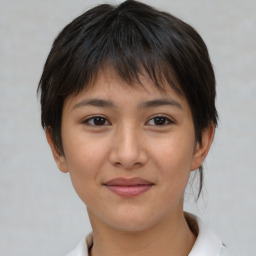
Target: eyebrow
x=109, y=104
x=94, y=102
x=160, y=102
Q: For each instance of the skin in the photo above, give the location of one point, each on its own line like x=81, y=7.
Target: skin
x=131, y=142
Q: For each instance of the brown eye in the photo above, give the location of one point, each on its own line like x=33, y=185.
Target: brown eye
x=96, y=121
x=159, y=121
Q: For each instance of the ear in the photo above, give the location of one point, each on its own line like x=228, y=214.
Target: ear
x=58, y=157
x=202, y=149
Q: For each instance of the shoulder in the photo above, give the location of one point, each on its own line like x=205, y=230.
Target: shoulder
x=226, y=252
x=207, y=243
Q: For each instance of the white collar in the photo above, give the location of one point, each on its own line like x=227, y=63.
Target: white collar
x=207, y=243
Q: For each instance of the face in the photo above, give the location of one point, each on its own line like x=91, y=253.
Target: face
x=129, y=151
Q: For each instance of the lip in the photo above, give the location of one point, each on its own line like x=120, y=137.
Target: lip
x=128, y=187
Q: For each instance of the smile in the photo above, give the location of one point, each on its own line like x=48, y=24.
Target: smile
x=128, y=187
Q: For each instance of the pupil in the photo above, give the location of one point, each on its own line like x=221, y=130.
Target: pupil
x=99, y=120
x=160, y=120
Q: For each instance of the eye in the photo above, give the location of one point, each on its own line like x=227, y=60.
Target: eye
x=160, y=121
x=96, y=121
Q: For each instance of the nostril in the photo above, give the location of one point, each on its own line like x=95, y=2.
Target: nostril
x=128, y=154
x=118, y=164
x=127, y=166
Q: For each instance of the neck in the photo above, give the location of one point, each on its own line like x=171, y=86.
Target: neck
x=170, y=237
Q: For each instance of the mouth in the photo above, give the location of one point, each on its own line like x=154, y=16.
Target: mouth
x=128, y=187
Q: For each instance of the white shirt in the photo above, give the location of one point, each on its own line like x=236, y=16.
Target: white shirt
x=207, y=243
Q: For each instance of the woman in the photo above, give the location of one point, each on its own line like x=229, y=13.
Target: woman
x=128, y=106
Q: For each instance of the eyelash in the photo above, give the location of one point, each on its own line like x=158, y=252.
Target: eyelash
x=93, y=118
x=161, y=118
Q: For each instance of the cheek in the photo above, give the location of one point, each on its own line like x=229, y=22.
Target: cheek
x=83, y=151
x=174, y=152
x=173, y=157
x=85, y=157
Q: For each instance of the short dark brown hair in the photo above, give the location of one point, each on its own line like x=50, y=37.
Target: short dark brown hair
x=133, y=38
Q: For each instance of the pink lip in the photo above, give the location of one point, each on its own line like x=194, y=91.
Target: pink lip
x=128, y=187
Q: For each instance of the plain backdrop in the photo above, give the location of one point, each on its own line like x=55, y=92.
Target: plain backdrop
x=40, y=213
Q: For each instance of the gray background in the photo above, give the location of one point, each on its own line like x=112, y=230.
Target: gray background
x=40, y=213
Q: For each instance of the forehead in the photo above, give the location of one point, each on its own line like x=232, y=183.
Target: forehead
x=108, y=79
x=109, y=86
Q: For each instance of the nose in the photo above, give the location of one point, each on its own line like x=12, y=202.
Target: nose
x=127, y=149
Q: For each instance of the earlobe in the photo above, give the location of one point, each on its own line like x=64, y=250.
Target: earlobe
x=203, y=148
x=58, y=157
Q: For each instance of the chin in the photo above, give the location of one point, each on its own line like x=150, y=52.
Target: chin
x=131, y=226
x=135, y=222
